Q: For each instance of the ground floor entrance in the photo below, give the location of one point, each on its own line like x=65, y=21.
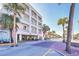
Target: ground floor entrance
x=29, y=37
x=21, y=37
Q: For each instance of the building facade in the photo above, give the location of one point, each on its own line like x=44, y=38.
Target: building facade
x=30, y=26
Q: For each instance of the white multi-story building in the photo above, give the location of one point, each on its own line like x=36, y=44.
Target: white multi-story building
x=30, y=25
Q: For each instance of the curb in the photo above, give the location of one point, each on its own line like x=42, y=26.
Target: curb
x=49, y=50
x=60, y=53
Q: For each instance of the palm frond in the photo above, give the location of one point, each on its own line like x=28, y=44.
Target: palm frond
x=63, y=21
x=15, y=7
x=8, y=20
x=7, y=6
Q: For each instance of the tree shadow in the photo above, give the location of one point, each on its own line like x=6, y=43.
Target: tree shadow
x=44, y=44
x=75, y=44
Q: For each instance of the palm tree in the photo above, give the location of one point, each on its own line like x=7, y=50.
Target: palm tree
x=54, y=33
x=63, y=21
x=70, y=25
x=7, y=21
x=45, y=28
x=1, y=24
x=16, y=9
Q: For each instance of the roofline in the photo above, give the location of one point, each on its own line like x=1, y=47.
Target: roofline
x=34, y=9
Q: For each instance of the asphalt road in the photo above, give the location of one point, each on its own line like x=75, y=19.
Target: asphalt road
x=31, y=48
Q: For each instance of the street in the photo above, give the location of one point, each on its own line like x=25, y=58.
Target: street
x=30, y=48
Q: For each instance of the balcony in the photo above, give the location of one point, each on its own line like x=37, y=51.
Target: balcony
x=40, y=31
x=34, y=15
x=33, y=30
x=23, y=28
x=39, y=25
x=40, y=19
x=25, y=19
x=34, y=22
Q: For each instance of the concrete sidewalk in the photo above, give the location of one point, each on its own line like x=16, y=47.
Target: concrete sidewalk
x=60, y=46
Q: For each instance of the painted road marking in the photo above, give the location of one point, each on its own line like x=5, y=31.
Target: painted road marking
x=49, y=50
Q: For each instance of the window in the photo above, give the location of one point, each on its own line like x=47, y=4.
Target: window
x=26, y=27
x=34, y=30
x=39, y=18
x=39, y=24
x=39, y=31
x=34, y=14
x=26, y=18
x=34, y=22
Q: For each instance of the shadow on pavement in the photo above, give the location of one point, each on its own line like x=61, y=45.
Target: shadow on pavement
x=44, y=44
x=75, y=44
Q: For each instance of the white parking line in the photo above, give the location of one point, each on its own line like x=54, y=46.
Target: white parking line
x=49, y=50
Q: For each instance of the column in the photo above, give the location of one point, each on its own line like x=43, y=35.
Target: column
x=30, y=14
x=20, y=37
x=37, y=28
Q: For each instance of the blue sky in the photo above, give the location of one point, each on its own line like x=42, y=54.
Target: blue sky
x=51, y=12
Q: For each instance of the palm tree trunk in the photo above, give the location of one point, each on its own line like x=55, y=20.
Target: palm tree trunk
x=63, y=35
x=14, y=30
x=70, y=26
x=5, y=24
x=11, y=35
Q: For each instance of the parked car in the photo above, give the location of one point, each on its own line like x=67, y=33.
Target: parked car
x=5, y=36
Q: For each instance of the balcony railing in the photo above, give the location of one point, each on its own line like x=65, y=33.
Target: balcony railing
x=40, y=19
x=34, y=22
x=34, y=30
x=34, y=14
x=39, y=31
x=25, y=19
x=39, y=24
